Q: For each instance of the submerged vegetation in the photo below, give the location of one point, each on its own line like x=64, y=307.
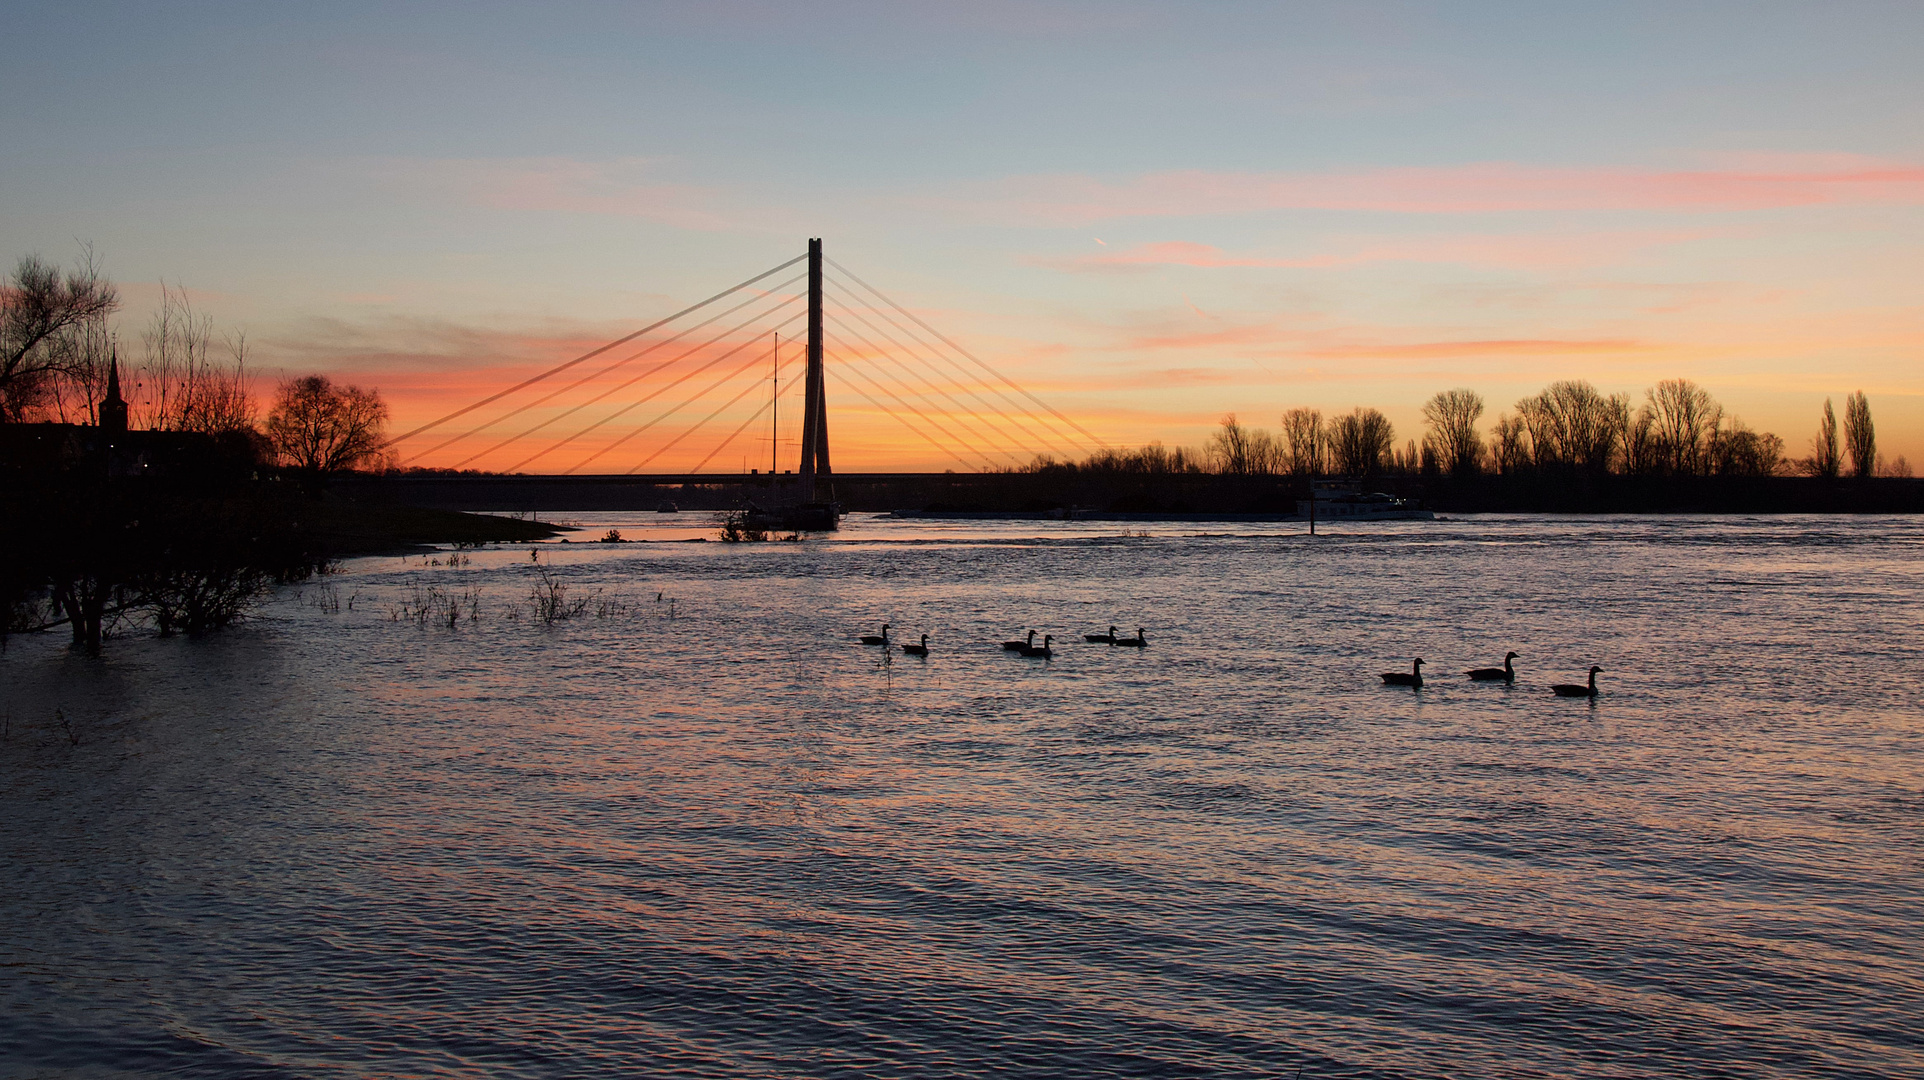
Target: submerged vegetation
x=153, y=494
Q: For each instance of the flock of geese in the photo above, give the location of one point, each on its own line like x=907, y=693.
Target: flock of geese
x=1505, y=674
x=1413, y=678
x=1026, y=647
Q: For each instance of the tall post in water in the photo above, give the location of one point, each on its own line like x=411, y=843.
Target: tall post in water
x=814, y=403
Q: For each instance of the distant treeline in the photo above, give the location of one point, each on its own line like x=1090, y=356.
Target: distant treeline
x=1570, y=427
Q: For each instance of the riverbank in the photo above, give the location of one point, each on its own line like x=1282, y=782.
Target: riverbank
x=343, y=527
x=1133, y=496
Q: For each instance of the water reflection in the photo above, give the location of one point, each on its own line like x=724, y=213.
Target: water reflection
x=725, y=838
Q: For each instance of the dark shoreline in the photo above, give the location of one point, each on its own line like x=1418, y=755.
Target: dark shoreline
x=345, y=529
x=1135, y=497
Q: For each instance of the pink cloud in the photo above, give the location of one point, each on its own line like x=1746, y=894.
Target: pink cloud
x=1176, y=253
x=1528, y=251
x=1477, y=188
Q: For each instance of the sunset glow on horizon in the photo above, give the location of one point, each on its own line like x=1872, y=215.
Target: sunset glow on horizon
x=1147, y=216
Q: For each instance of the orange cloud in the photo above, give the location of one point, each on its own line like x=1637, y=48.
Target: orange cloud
x=1481, y=348
x=1477, y=188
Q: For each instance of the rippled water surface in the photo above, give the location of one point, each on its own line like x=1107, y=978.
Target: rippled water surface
x=712, y=835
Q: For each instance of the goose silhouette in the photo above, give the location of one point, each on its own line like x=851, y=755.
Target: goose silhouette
x=883, y=640
x=1041, y=650
x=1414, y=678
x=1137, y=642
x=1506, y=673
x=1018, y=646
x=1576, y=689
x=917, y=650
x=1101, y=639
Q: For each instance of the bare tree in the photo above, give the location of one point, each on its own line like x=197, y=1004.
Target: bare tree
x=1453, y=439
x=1303, y=442
x=182, y=385
x=1158, y=459
x=1229, y=447
x=1410, y=460
x=1639, y=448
x=1151, y=459
x=1684, y=418
x=1824, y=460
x=85, y=355
x=1571, y=425
x=321, y=428
x=1735, y=450
x=1510, y=444
x=1242, y=451
x=41, y=310
x=1360, y=441
x=1859, y=436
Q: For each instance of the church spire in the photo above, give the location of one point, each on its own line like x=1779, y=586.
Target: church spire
x=113, y=408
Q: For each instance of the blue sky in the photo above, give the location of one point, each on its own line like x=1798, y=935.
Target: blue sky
x=1152, y=213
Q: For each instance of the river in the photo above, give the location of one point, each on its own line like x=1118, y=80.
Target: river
x=697, y=829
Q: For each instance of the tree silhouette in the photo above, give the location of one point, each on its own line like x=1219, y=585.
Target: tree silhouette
x=1824, y=460
x=320, y=428
x=40, y=310
x=1360, y=441
x=1859, y=436
x=1453, y=439
x=1571, y=425
x=1684, y=420
x=1303, y=442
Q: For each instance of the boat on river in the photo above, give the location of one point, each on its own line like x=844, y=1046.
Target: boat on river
x=1342, y=504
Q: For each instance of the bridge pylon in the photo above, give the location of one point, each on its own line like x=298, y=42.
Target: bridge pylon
x=814, y=389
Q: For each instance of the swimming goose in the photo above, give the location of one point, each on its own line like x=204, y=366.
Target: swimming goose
x=1101, y=639
x=1041, y=650
x=1137, y=642
x=1573, y=690
x=1414, y=678
x=1018, y=646
x=1506, y=673
x=871, y=639
x=917, y=650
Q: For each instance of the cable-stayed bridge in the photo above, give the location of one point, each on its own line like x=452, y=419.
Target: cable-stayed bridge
x=744, y=378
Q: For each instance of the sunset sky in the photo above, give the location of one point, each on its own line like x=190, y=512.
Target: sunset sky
x=1149, y=215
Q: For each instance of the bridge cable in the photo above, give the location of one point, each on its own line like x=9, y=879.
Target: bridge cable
x=1048, y=436
x=657, y=369
x=757, y=415
x=677, y=408
x=986, y=411
x=938, y=334
x=886, y=411
x=1045, y=434
x=965, y=444
x=849, y=357
x=697, y=425
x=594, y=353
x=958, y=418
x=684, y=377
x=578, y=383
x=982, y=417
